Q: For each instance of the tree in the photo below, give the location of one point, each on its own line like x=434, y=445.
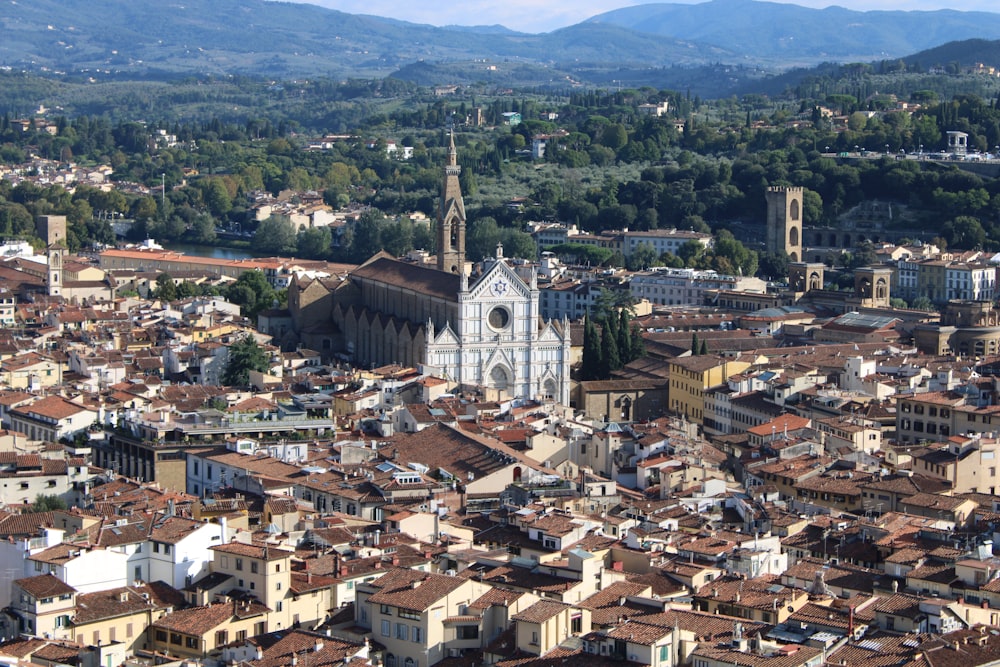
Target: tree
x=217, y=198
x=773, y=265
x=251, y=292
x=922, y=303
x=965, y=232
x=610, y=359
x=314, y=243
x=642, y=257
x=694, y=344
x=614, y=136
x=703, y=350
x=245, y=355
x=274, y=236
x=590, y=369
x=165, y=287
x=624, y=340
x=203, y=230
x=638, y=349
x=47, y=503
x=482, y=238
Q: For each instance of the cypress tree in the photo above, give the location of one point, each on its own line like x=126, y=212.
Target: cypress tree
x=694, y=344
x=610, y=361
x=704, y=348
x=638, y=348
x=591, y=367
x=624, y=337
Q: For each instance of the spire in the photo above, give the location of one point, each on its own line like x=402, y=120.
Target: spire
x=452, y=153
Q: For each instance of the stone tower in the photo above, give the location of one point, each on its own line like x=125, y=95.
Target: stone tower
x=451, y=217
x=805, y=276
x=784, y=221
x=52, y=229
x=871, y=285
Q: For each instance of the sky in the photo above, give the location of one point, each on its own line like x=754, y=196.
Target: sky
x=536, y=16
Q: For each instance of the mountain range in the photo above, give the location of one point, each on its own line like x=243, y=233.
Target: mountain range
x=655, y=44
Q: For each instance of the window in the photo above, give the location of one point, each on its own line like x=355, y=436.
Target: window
x=156, y=547
x=239, y=564
x=385, y=609
x=241, y=635
x=664, y=653
x=191, y=642
x=259, y=628
x=386, y=628
x=277, y=586
x=175, y=638
x=161, y=635
x=221, y=637
x=253, y=566
x=534, y=639
x=402, y=631
x=128, y=630
x=467, y=632
x=416, y=634
x=390, y=660
x=280, y=606
x=412, y=615
x=166, y=548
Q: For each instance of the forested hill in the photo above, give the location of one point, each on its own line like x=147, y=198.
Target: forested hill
x=284, y=40
x=770, y=30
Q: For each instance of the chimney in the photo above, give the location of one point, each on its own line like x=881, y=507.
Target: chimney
x=295, y=659
x=318, y=646
x=395, y=560
x=343, y=570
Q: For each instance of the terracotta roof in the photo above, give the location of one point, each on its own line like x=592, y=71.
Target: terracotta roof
x=199, y=620
x=423, y=280
x=51, y=407
x=540, y=612
x=44, y=586
x=413, y=590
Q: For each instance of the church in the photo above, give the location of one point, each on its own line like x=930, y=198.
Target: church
x=481, y=330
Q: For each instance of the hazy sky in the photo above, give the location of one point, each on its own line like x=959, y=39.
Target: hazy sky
x=546, y=15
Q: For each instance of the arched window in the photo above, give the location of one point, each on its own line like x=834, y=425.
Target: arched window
x=517, y=474
x=793, y=236
x=390, y=660
x=793, y=209
x=409, y=662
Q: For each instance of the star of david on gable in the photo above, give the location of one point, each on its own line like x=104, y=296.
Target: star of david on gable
x=499, y=288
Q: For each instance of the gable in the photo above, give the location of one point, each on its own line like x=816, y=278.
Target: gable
x=500, y=282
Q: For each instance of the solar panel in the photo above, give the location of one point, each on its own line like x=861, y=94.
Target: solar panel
x=871, y=645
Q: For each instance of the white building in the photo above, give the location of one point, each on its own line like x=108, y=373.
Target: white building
x=676, y=287
x=177, y=551
x=972, y=282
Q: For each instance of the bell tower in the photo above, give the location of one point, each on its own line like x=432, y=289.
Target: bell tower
x=451, y=217
x=52, y=229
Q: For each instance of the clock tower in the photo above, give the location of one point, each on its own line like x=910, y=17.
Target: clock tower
x=451, y=217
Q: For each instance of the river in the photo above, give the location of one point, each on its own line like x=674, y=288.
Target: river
x=215, y=252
